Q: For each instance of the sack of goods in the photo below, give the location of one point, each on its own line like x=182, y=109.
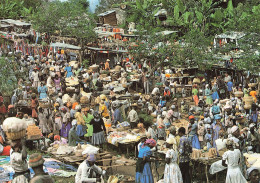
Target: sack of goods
x=14, y=128
x=33, y=131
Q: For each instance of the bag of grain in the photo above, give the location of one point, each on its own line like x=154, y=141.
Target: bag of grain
x=14, y=128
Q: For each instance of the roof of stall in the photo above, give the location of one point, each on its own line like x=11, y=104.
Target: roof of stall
x=16, y=22
x=106, y=13
x=231, y=35
x=64, y=45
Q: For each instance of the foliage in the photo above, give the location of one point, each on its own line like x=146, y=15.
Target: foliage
x=68, y=18
x=8, y=81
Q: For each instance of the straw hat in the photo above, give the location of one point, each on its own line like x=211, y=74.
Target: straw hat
x=108, y=60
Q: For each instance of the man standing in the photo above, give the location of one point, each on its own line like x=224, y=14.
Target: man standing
x=185, y=149
x=35, y=78
x=133, y=116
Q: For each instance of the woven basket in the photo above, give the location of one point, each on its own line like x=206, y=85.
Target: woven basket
x=252, y=85
x=44, y=105
x=196, y=80
x=15, y=135
x=239, y=94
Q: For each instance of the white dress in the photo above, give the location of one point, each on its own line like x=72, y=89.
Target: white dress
x=172, y=172
x=234, y=174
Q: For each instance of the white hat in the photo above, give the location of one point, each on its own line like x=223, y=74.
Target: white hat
x=173, y=107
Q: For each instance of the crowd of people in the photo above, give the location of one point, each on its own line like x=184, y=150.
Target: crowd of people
x=217, y=113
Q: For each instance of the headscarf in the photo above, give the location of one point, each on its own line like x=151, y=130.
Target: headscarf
x=191, y=117
x=56, y=137
x=91, y=157
x=150, y=142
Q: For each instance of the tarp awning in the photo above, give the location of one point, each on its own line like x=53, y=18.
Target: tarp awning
x=231, y=35
x=64, y=45
x=16, y=22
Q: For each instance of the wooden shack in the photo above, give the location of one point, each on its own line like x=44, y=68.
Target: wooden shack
x=108, y=17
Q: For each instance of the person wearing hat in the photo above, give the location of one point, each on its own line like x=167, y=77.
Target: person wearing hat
x=99, y=130
x=231, y=159
x=133, y=116
x=172, y=172
x=36, y=163
x=88, y=171
x=73, y=137
x=193, y=130
x=107, y=68
x=253, y=175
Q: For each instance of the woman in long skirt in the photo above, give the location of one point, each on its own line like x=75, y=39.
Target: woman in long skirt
x=87, y=118
x=99, y=130
x=209, y=100
x=231, y=159
x=143, y=165
x=172, y=172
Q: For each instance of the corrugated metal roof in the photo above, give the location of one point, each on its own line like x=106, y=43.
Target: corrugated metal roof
x=106, y=13
x=64, y=45
x=16, y=22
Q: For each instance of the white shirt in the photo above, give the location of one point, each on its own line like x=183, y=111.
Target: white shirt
x=35, y=76
x=84, y=171
x=133, y=116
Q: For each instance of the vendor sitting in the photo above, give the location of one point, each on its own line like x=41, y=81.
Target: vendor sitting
x=59, y=140
x=88, y=171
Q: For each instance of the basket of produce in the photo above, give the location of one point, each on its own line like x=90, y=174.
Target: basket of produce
x=14, y=128
x=196, y=80
x=239, y=94
x=44, y=104
x=84, y=100
x=248, y=100
x=93, y=67
x=33, y=132
x=251, y=85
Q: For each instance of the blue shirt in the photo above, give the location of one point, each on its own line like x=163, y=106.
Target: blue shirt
x=229, y=86
x=144, y=152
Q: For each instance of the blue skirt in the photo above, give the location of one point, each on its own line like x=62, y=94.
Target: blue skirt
x=81, y=130
x=147, y=176
x=195, y=142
